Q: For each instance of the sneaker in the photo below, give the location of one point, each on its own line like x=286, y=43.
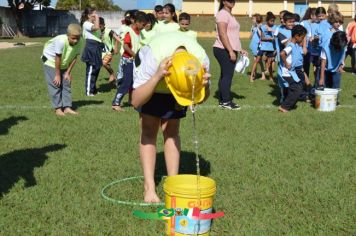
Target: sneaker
x=90, y=95
x=229, y=105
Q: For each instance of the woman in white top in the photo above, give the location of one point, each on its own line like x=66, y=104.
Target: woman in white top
x=93, y=49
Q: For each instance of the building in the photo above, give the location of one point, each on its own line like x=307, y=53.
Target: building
x=248, y=7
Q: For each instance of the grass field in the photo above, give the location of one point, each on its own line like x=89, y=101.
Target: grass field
x=276, y=173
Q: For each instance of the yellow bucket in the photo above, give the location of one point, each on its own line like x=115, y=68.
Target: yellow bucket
x=181, y=194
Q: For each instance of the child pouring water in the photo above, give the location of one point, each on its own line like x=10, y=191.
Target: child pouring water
x=157, y=106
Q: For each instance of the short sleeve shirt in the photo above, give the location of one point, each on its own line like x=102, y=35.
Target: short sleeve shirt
x=87, y=30
x=288, y=51
x=233, y=30
x=54, y=48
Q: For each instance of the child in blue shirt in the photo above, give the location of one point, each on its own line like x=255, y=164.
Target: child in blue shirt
x=267, y=45
x=291, y=58
x=283, y=36
x=332, y=56
x=255, y=37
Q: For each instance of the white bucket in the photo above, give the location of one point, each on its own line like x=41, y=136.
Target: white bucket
x=326, y=99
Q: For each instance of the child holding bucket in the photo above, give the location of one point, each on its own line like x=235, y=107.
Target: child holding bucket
x=157, y=106
x=332, y=57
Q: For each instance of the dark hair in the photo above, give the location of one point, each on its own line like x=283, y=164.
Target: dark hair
x=151, y=19
x=85, y=15
x=184, y=16
x=338, y=40
x=258, y=17
x=308, y=13
x=158, y=8
x=221, y=6
x=283, y=12
x=130, y=14
x=297, y=17
x=101, y=21
x=140, y=16
x=270, y=16
x=320, y=10
x=288, y=16
x=299, y=30
x=172, y=9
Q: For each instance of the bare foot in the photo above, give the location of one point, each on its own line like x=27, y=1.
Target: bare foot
x=112, y=78
x=151, y=196
x=69, y=110
x=252, y=79
x=117, y=108
x=59, y=112
x=281, y=109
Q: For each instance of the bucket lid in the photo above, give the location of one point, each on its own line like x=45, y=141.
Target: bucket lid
x=186, y=185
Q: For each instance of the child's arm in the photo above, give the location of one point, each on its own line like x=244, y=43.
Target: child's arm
x=117, y=40
x=284, y=59
x=57, y=78
x=127, y=42
x=143, y=93
x=264, y=38
x=67, y=75
x=305, y=50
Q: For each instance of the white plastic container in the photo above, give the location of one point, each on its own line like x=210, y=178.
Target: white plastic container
x=326, y=99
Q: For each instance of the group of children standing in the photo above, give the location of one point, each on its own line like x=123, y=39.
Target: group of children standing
x=101, y=43
x=294, y=45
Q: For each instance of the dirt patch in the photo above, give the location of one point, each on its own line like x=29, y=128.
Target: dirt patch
x=6, y=45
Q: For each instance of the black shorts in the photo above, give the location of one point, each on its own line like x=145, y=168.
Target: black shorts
x=163, y=106
x=268, y=54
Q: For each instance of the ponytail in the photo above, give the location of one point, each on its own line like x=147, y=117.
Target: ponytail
x=85, y=15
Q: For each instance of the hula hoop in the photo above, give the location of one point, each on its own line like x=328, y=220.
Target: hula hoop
x=103, y=194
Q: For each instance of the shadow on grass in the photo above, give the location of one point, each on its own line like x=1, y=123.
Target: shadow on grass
x=6, y=124
x=82, y=103
x=106, y=87
x=187, y=165
x=233, y=95
x=354, y=96
x=21, y=164
x=276, y=93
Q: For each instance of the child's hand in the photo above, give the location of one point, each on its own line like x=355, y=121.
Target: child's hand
x=288, y=66
x=206, y=76
x=163, y=67
x=321, y=82
x=341, y=68
x=57, y=80
x=67, y=76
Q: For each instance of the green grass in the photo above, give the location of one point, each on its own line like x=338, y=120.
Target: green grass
x=276, y=173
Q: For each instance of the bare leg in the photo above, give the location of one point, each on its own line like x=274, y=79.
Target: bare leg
x=170, y=130
x=110, y=71
x=262, y=70
x=149, y=129
x=270, y=69
x=254, y=66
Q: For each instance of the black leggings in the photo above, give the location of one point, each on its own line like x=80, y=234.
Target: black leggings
x=227, y=68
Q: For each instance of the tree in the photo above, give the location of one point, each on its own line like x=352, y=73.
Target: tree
x=106, y=5
x=18, y=6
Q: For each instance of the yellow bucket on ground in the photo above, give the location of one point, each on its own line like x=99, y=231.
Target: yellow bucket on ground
x=181, y=194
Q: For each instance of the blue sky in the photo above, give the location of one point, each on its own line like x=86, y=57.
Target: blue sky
x=128, y=4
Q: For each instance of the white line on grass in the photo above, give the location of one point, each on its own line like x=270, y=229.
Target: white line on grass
x=266, y=106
